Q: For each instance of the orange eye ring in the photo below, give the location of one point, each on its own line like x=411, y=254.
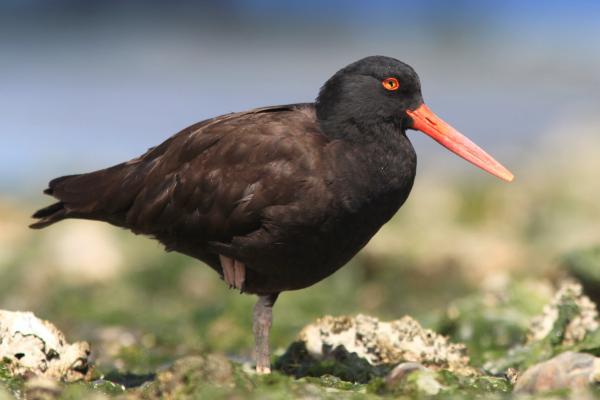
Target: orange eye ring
x=390, y=83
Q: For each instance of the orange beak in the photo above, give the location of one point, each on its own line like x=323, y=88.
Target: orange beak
x=427, y=122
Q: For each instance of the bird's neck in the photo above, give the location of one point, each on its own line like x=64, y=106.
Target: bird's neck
x=378, y=165
x=389, y=159
x=342, y=121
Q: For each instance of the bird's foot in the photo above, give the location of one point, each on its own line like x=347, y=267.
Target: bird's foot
x=262, y=370
x=234, y=272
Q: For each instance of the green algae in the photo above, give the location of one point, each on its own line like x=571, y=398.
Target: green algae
x=442, y=385
x=155, y=295
x=349, y=367
x=523, y=356
x=584, y=265
x=469, y=320
x=340, y=375
x=12, y=385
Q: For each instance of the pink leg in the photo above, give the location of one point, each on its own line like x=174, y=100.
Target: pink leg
x=263, y=317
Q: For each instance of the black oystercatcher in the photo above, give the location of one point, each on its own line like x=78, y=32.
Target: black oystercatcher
x=275, y=198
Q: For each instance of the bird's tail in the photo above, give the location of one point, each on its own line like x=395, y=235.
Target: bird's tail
x=101, y=195
x=48, y=215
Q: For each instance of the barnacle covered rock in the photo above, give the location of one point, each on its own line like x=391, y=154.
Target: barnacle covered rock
x=584, y=318
x=382, y=342
x=31, y=346
x=361, y=347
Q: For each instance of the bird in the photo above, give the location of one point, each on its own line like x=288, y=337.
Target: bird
x=276, y=198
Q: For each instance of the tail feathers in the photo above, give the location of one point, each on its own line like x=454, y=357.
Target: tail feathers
x=100, y=195
x=54, y=212
x=56, y=181
x=49, y=215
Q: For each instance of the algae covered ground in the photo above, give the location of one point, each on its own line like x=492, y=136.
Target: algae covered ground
x=471, y=258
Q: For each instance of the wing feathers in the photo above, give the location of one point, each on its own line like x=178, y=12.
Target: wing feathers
x=212, y=181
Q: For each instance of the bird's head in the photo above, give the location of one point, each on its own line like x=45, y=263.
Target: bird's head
x=382, y=91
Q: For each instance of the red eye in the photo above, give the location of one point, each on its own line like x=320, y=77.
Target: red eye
x=390, y=83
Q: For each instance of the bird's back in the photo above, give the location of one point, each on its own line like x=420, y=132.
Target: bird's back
x=203, y=175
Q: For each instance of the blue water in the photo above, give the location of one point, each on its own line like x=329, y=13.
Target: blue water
x=86, y=86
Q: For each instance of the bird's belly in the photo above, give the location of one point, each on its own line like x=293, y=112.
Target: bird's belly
x=313, y=254
x=300, y=256
x=303, y=262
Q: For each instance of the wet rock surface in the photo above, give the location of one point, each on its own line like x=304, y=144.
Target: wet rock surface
x=30, y=346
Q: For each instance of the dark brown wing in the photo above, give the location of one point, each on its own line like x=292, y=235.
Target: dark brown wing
x=219, y=181
x=213, y=181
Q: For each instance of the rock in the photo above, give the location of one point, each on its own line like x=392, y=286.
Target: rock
x=401, y=371
x=379, y=342
x=579, y=309
x=33, y=347
x=568, y=370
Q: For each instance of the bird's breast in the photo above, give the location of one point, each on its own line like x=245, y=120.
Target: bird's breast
x=376, y=180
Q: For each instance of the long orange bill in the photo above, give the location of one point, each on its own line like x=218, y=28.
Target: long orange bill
x=427, y=122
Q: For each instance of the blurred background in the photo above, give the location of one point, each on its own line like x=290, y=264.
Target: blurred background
x=87, y=84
